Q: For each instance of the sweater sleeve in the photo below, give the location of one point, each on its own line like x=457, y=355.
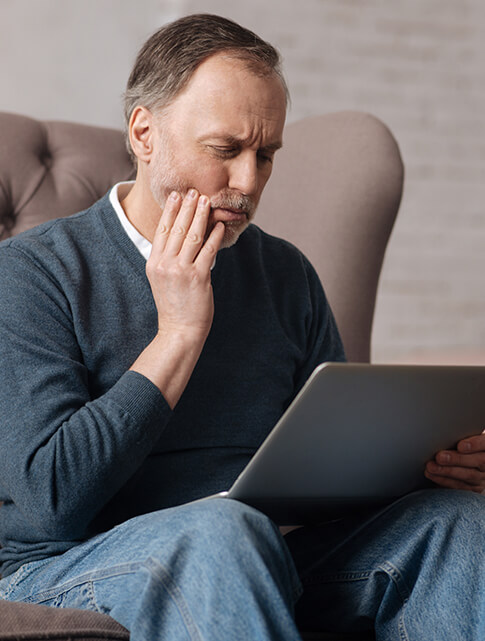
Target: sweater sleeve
x=64, y=454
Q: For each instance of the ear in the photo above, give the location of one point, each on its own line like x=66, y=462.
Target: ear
x=141, y=131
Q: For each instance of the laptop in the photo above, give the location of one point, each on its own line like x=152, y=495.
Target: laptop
x=358, y=436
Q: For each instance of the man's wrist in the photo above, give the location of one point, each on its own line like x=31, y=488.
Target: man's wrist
x=169, y=360
x=183, y=336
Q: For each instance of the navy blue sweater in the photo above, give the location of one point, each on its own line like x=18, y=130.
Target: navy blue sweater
x=86, y=444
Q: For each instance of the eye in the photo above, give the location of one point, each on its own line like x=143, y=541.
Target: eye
x=225, y=152
x=265, y=157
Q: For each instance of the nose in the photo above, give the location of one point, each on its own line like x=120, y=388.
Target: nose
x=243, y=173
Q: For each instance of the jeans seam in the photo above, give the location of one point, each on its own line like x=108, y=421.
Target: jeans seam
x=337, y=577
x=361, y=575
x=16, y=578
x=152, y=566
x=83, y=579
x=398, y=580
x=177, y=597
x=92, y=597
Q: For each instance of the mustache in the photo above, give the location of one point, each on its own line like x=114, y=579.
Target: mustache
x=236, y=202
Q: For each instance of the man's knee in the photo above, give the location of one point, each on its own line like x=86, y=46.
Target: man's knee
x=223, y=522
x=445, y=500
x=210, y=526
x=448, y=509
x=219, y=537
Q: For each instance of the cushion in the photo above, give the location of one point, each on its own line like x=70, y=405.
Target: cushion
x=28, y=622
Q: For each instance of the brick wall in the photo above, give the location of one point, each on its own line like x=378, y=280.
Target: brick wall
x=418, y=65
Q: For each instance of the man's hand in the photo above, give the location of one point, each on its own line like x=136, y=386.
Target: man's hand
x=460, y=469
x=179, y=265
x=179, y=274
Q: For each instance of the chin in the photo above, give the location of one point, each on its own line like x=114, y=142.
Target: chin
x=232, y=234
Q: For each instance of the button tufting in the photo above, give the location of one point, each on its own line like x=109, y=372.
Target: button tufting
x=45, y=158
x=7, y=223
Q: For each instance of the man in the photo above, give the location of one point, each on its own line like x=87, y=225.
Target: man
x=126, y=396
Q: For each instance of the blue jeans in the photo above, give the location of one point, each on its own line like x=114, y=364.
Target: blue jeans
x=216, y=569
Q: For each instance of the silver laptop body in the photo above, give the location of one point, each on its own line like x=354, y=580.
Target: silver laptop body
x=359, y=435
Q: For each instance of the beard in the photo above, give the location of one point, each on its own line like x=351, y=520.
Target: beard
x=164, y=180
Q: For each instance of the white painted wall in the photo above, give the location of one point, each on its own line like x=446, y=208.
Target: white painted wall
x=70, y=59
x=418, y=65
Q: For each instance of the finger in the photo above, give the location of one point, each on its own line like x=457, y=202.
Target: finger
x=197, y=230
x=472, y=444
x=209, y=249
x=165, y=224
x=182, y=223
x=454, y=484
x=468, y=475
x=452, y=458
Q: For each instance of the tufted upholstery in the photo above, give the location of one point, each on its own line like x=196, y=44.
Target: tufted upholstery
x=335, y=193
x=52, y=169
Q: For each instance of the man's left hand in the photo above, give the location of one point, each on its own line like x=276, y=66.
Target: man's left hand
x=460, y=469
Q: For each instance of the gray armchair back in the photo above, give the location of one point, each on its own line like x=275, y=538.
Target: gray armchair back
x=335, y=193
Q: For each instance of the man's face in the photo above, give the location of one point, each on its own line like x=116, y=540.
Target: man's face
x=219, y=136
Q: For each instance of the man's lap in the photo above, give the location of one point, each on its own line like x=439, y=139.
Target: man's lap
x=177, y=549
x=348, y=567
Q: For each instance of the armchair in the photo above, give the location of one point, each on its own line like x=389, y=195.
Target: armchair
x=335, y=193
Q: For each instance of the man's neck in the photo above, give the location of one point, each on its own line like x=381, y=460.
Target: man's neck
x=141, y=209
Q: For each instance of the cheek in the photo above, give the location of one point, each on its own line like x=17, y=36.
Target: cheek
x=209, y=177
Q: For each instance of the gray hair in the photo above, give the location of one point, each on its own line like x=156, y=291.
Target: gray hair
x=168, y=59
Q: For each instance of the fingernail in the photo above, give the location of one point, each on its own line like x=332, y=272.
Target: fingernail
x=174, y=195
x=444, y=458
x=466, y=446
x=192, y=193
x=203, y=200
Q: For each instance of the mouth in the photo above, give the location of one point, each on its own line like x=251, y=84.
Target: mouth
x=229, y=215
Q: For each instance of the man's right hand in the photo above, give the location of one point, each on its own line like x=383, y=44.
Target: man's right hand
x=179, y=272
x=179, y=266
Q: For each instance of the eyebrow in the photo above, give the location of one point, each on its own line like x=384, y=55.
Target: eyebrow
x=274, y=146
x=233, y=140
